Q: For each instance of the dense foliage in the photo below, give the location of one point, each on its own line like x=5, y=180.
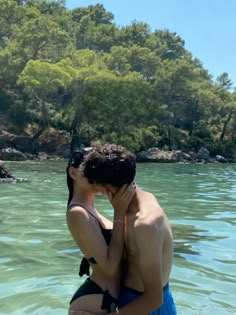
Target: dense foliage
x=77, y=71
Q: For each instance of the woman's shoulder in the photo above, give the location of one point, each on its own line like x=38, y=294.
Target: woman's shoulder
x=77, y=214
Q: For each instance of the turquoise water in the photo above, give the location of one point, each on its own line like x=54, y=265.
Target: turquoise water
x=39, y=262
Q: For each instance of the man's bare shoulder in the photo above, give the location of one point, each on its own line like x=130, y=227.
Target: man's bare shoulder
x=150, y=211
x=150, y=221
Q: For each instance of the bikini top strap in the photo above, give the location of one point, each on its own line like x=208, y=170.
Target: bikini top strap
x=80, y=205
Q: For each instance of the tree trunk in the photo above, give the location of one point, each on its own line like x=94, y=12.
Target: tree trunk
x=44, y=120
x=170, y=138
x=222, y=135
x=74, y=131
x=78, y=91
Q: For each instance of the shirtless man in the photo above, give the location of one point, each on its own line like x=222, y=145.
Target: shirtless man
x=148, y=239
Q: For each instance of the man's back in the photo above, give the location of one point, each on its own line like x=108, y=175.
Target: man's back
x=147, y=225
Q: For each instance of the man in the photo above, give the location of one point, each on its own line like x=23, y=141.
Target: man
x=148, y=237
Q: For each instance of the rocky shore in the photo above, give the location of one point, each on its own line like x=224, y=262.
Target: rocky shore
x=57, y=147
x=153, y=155
x=178, y=156
x=53, y=144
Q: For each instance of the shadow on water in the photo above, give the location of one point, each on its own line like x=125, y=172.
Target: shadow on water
x=185, y=235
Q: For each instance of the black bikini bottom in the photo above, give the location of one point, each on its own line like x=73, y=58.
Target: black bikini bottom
x=109, y=303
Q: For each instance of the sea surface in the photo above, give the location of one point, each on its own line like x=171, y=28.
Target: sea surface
x=39, y=261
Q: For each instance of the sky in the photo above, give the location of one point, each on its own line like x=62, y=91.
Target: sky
x=208, y=27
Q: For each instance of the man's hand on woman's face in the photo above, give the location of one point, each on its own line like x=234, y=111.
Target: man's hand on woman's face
x=122, y=198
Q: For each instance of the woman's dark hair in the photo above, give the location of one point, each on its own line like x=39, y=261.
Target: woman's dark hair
x=75, y=160
x=110, y=164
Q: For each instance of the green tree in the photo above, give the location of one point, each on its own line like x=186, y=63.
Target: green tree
x=47, y=7
x=168, y=45
x=227, y=107
x=41, y=79
x=92, y=36
x=135, y=34
x=43, y=39
x=96, y=13
x=183, y=94
x=224, y=81
x=11, y=16
x=108, y=102
x=133, y=59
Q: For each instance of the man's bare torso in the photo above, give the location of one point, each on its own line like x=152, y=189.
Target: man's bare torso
x=145, y=209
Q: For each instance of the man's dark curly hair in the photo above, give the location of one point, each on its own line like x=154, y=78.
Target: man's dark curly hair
x=110, y=164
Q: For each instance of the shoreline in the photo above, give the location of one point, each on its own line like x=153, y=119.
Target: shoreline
x=151, y=155
x=53, y=158
x=7, y=177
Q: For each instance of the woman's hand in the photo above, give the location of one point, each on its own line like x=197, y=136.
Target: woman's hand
x=121, y=200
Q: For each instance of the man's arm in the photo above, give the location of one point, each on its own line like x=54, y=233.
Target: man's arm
x=149, y=241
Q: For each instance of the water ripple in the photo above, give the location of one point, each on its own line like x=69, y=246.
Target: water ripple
x=39, y=261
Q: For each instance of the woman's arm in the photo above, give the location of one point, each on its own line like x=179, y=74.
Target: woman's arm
x=87, y=234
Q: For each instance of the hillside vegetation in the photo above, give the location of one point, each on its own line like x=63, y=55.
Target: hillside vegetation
x=78, y=72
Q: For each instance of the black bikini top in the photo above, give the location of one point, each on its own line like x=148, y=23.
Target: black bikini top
x=85, y=262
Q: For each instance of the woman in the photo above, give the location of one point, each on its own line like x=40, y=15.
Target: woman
x=100, y=241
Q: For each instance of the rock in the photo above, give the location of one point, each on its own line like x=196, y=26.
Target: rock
x=5, y=174
x=203, y=154
x=186, y=157
x=193, y=155
x=166, y=157
x=142, y=156
x=53, y=142
x=155, y=155
x=24, y=144
x=180, y=156
x=159, y=156
x=221, y=159
x=64, y=151
x=10, y=154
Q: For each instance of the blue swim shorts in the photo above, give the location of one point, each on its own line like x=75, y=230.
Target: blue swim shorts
x=167, y=308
